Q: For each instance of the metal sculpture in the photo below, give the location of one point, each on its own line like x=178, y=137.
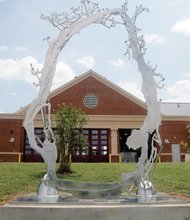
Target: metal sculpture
x=70, y=24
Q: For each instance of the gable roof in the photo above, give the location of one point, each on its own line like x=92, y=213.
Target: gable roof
x=169, y=109
x=103, y=80
x=83, y=76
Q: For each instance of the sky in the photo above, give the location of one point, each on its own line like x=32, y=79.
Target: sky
x=166, y=30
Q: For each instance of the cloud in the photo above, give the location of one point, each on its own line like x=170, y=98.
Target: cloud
x=19, y=69
x=155, y=38
x=20, y=49
x=182, y=27
x=117, y=62
x=3, y=47
x=180, y=91
x=174, y=3
x=13, y=93
x=186, y=75
x=17, y=48
x=63, y=74
x=87, y=61
x=132, y=88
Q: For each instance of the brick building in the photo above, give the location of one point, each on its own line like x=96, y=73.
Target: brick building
x=112, y=114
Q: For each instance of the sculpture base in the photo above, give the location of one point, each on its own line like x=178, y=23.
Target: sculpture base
x=30, y=208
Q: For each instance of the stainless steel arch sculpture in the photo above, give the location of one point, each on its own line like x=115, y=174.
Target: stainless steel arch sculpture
x=70, y=24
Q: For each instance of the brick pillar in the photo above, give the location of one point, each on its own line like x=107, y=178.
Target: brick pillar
x=114, y=156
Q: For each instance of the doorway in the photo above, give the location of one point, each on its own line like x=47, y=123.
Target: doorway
x=98, y=151
x=30, y=155
x=127, y=155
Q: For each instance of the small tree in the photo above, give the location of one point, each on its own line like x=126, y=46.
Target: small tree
x=69, y=136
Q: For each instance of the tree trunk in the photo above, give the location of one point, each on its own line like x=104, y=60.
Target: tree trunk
x=65, y=164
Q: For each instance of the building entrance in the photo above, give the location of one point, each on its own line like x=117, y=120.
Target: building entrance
x=30, y=155
x=98, y=150
x=127, y=155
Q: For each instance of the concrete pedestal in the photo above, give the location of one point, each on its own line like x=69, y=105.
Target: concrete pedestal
x=96, y=210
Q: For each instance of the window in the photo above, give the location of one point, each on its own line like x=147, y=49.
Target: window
x=90, y=101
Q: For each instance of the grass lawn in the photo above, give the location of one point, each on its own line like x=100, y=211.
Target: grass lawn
x=23, y=178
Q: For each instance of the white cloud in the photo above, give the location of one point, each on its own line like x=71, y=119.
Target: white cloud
x=87, y=61
x=132, y=88
x=17, y=48
x=13, y=93
x=186, y=75
x=180, y=91
x=182, y=27
x=117, y=62
x=63, y=74
x=19, y=69
x=174, y=3
x=4, y=47
x=155, y=38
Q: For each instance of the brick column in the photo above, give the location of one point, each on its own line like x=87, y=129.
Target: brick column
x=114, y=156
x=114, y=142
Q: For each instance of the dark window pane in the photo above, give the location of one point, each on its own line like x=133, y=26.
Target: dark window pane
x=94, y=131
x=104, y=142
x=85, y=132
x=94, y=136
x=27, y=152
x=94, y=142
x=104, y=131
x=27, y=147
x=104, y=137
x=94, y=152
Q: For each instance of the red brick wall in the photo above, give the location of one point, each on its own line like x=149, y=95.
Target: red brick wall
x=109, y=101
x=174, y=132
x=11, y=128
x=10, y=158
x=168, y=158
x=114, y=159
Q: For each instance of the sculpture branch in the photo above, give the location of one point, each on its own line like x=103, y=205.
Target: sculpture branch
x=139, y=9
x=64, y=20
x=36, y=73
x=139, y=138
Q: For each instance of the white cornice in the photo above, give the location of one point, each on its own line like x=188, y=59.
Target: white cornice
x=11, y=116
x=175, y=118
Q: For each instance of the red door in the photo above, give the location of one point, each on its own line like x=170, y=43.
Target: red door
x=31, y=155
x=98, y=147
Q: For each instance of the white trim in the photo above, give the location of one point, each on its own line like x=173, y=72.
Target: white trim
x=175, y=118
x=11, y=116
x=14, y=153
